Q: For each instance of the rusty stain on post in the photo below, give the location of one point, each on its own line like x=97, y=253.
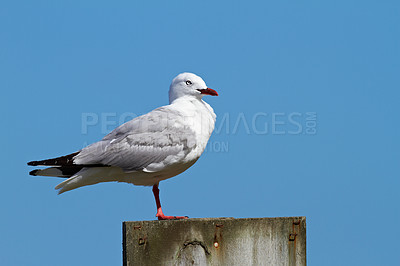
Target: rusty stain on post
x=293, y=241
x=142, y=241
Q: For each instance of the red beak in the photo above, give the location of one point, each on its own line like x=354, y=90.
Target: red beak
x=209, y=91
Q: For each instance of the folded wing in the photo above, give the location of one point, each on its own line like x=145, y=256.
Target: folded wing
x=155, y=139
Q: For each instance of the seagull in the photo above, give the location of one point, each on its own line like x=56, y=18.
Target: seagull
x=147, y=149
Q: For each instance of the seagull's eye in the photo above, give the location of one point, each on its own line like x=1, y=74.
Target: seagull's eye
x=188, y=82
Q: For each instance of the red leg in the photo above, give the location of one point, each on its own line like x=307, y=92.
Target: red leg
x=160, y=214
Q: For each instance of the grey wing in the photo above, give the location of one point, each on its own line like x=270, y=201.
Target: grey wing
x=145, y=140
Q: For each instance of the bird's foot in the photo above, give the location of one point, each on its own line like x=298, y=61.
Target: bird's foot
x=164, y=217
x=160, y=215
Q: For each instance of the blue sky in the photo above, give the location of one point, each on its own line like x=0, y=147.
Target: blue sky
x=307, y=121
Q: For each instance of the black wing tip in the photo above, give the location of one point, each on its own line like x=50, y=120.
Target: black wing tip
x=33, y=172
x=59, y=161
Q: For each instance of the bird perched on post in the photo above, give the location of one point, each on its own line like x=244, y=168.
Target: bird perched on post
x=146, y=150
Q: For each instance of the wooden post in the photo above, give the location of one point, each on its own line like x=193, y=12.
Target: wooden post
x=216, y=241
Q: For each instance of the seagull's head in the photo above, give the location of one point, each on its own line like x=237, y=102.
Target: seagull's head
x=189, y=84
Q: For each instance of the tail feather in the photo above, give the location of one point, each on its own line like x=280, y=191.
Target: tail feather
x=85, y=177
x=70, y=183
